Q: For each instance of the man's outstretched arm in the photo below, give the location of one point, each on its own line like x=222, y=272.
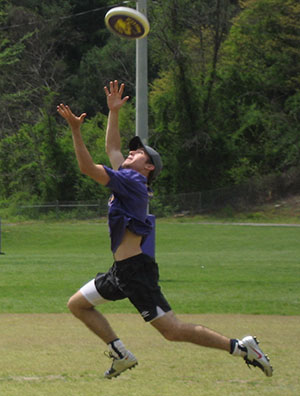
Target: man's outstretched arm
x=113, y=140
x=84, y=159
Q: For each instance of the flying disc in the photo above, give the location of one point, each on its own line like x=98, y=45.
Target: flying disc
x=127, y=22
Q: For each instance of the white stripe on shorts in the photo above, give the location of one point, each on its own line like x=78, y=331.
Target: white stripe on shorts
x=90, y=292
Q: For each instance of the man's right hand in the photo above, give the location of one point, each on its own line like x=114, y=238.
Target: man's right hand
x=114, y=95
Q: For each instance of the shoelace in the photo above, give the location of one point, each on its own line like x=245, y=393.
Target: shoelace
x=254, y=363
x=110, y=355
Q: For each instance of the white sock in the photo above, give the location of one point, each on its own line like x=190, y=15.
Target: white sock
x=117, y=348
x=237, y=348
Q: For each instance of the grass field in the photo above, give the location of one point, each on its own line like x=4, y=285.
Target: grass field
x=53, y=354
x=235, y=279
x=204, y=268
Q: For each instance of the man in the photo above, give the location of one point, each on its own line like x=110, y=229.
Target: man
x=134, y=275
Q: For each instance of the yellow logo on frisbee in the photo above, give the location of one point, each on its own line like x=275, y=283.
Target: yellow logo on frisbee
x=127, y=22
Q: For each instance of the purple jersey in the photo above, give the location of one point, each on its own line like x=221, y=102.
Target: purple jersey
x=128, y=205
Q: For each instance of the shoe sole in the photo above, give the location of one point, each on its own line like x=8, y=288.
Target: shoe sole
x=263, y=361
x=115, y=375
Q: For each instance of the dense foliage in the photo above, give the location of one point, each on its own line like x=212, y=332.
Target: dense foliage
x=224, y=92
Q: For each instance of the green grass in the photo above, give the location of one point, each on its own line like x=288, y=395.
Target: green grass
x=243, y=269
x=216, y=275
x=203, y=268
x=54, y=354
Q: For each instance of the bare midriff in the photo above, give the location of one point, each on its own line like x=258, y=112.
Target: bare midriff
x=130, y=246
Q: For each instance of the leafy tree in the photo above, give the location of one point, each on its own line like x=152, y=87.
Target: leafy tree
x=224, y=93
x=36, y=68
x=260, y=77
x=97, y=67
x=189, y=39
x=40, y=162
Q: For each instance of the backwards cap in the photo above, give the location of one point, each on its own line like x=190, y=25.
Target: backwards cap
x=136, y=143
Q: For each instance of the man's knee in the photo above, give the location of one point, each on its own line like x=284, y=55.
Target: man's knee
x=169, y=327
x=77, y=304
x=170, y=334
x=71, y=304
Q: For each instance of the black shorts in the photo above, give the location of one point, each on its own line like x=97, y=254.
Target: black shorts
x=135, y=278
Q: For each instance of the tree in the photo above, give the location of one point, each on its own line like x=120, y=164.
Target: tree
x=98, y=66
x=39, y=164
x=260, y=76
x=37, y=67
x=190, y=38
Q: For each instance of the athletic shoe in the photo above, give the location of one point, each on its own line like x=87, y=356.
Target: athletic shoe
x=255, y=356
x=120, y=365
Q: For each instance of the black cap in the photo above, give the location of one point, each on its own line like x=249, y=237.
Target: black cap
x=136, y=143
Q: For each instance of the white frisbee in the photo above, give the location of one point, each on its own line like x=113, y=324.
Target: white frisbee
x=127, y=22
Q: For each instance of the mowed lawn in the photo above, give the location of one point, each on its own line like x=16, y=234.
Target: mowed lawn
x=203, y=268
x=54, y=354
x=234, y=279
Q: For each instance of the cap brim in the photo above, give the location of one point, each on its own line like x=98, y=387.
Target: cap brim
x=136, y=143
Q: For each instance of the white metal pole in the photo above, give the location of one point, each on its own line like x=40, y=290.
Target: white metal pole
x=0, y=237
x=142, y=81
x=141, y=114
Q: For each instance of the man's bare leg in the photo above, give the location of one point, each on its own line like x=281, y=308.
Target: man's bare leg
x=99, y=325
x=174, y=329
x=93, y=319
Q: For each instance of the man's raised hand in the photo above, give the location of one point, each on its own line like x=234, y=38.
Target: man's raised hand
x=73, y=121
x=114, y=95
